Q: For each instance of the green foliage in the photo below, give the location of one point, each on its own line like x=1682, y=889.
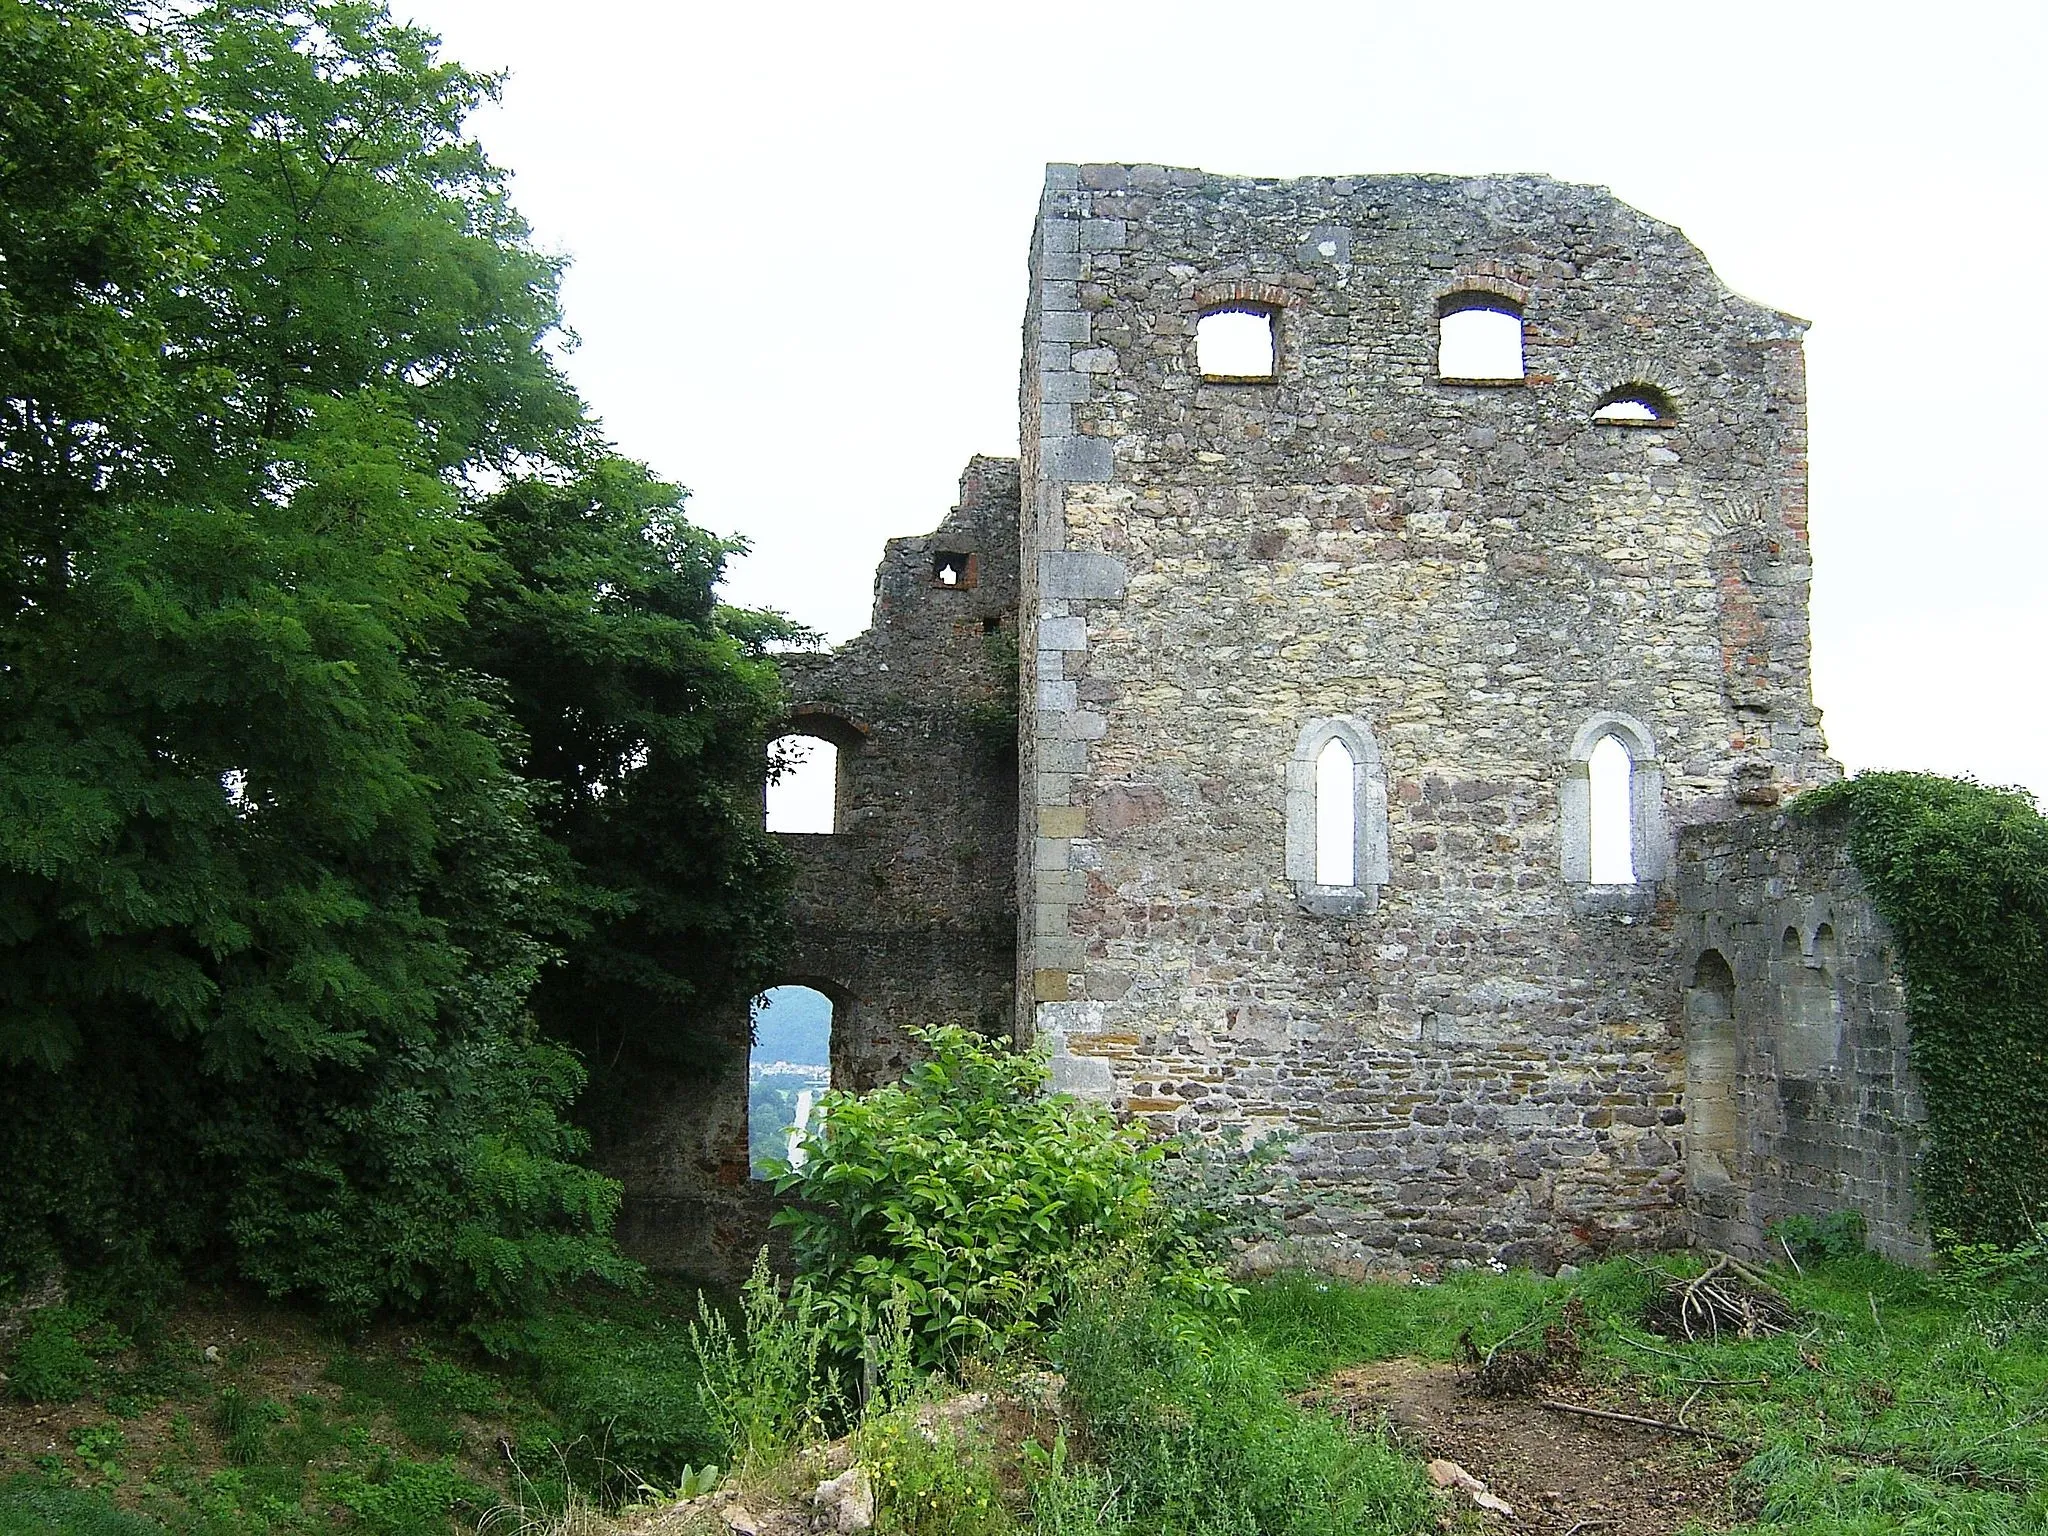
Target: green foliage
x=930, y=1481
x=1071, y=1498
x=1194, y=1434
x=1837, y=1235
x=769, y=1387
x=1218, y=1192
x=695, y=1482
x=644, y=704
x=244, y=1424
x=1960, y=872
x=969, y=1190
x=295, y=822
x=620, y=1380
x=423, y=1395
x=52, y=1361
x=407, y=1498
x=32, y=1508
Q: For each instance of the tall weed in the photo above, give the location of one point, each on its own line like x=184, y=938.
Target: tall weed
x=768, y=1388
x=1191, y=1427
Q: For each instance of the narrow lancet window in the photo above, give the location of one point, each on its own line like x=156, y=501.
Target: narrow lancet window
x=1336, y=817
x=1611, y=827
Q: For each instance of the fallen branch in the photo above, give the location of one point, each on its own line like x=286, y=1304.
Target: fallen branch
x=1643, y=1421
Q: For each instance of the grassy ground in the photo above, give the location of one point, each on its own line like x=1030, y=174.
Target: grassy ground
x=231, y=1418
x=1892, y=1407
x=1895, y=1404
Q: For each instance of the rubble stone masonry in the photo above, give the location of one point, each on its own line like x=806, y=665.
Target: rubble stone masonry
x=1487, y=1061
x=1191, y=587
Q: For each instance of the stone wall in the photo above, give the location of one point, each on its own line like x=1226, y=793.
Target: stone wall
x=906, y=913
x=1801, y=1098
x=1484, y=1058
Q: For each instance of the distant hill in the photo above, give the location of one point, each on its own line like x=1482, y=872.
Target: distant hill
x=793, y=1024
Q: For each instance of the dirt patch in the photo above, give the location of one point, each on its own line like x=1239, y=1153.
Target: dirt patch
x=1564, y=1475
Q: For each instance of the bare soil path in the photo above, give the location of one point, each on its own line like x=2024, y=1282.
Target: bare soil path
x=1564, y=1475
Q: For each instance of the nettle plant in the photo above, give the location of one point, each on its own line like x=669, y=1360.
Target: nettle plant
x=964, y=1194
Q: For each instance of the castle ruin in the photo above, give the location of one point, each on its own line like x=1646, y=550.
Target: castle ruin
x=1359, y=521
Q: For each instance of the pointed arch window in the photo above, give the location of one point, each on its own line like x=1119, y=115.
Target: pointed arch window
x=1337, y=817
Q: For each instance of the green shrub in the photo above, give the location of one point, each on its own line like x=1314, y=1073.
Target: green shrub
x=51, y=1363
x=769, y=1388
x=1960, y=872
x=968, y=1189
x=931, y=1482
x=618, y=1375
x=244, y=1423
x=407, y=1498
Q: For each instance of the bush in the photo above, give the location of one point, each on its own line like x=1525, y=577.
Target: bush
x=1960, y=872
x=618, y=1375
x=57, y=1358
x=934, y=1481
x=768, y=1389
x=969, y=1191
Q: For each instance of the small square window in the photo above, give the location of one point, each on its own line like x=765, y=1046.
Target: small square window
x=1237, y=346
x=953, y=569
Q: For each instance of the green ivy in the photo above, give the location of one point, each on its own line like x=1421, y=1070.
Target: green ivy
x=1960, y=872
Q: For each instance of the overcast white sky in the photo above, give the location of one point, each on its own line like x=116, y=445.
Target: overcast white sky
x=799, y=231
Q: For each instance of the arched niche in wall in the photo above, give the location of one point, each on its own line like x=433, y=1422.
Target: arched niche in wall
x=1337, y=817
x=1809, y=1002
x=1713, y=1119
x=1638, y=817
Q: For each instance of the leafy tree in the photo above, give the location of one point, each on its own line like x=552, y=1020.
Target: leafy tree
x=644, y=703
x=280, y=864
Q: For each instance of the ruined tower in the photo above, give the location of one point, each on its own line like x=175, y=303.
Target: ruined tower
x=1383, y=674
x=1467, y=571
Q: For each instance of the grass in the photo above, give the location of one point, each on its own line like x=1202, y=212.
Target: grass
x=1902, y=1406
x=234, y=1418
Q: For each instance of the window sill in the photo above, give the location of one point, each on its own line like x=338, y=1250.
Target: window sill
x=1336, y=900
x=1625, y=904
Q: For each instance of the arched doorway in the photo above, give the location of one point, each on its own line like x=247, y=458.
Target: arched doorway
x=788, y=1067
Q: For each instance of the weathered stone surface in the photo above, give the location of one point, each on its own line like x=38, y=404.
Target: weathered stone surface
x=1803, y=1099
x=1489, y=1058
x=1482, y=1053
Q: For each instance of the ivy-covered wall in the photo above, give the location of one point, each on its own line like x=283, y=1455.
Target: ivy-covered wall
x=1801, y=1096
